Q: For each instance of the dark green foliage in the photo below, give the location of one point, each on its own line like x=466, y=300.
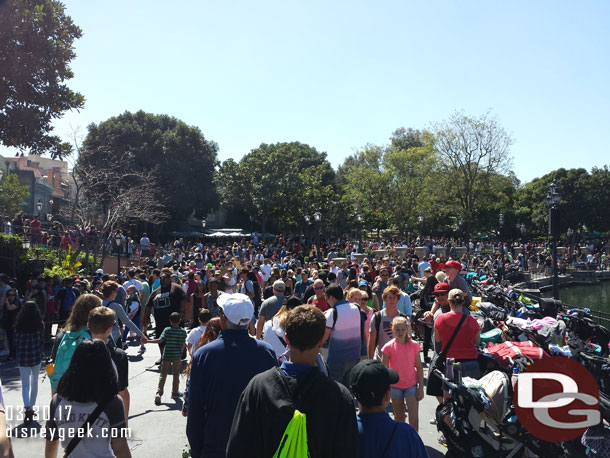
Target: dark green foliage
x=36, y=47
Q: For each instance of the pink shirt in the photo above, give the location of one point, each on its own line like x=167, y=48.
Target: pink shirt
x=402, y=360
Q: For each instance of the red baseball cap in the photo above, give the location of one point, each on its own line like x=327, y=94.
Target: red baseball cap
x=453, y=263
x=441, y=288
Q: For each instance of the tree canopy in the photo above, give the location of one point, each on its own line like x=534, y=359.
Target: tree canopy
x=276, y=184
x=12, y=195
x=36, y=47
x=178, y=159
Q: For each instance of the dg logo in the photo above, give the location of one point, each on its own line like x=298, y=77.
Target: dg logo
x=557, y=399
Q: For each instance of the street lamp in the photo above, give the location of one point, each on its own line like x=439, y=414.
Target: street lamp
x=317, y=217
x=501, y=220
x=39, y=206
x=552, y=201
x=359, y=219
x=118, y=240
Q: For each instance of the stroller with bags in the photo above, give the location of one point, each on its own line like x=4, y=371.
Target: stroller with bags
x=480, y=422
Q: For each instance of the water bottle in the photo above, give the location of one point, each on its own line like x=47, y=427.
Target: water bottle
x=515, y=376
x=457, y=373
x=449, y=368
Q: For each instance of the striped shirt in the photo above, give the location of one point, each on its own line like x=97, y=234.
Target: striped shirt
x=173, y=338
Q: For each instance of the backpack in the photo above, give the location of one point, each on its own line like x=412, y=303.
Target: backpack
x=294, y=440
x=66, y=349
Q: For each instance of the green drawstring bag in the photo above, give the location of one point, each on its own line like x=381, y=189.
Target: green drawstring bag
x=294, y=440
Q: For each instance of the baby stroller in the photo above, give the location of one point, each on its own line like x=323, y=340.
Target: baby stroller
x=482, y=422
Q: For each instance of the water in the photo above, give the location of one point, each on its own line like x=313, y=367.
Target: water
x=595, y=297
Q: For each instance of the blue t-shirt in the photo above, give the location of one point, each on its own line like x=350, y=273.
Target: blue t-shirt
x=375, y=430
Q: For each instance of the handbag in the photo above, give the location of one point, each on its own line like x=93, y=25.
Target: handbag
x=434, y=386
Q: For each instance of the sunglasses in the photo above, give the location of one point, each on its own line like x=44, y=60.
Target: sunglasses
x=364, y=299
x=441, y=294
x=317, y=288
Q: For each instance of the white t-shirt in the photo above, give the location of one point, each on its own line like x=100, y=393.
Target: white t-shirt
x=265, y=271
x=133, y=282
x=66, y=414
x=271, y=331
x=194, y=336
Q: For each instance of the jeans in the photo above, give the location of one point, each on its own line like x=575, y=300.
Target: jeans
x=29, y=384
x=176, y=365
x=399, y=393
x=136, y=321
x=340, y=372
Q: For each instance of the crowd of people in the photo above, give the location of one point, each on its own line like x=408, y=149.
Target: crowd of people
x=267, y=332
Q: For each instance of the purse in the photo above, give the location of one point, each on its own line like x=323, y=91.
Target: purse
x=434, y=386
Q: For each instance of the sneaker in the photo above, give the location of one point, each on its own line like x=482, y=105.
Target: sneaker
x=177, y=395
x=157, y=399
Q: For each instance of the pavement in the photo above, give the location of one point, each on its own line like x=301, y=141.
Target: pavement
x=156, y=431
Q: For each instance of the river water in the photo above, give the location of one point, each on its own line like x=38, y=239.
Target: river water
x=595, y=297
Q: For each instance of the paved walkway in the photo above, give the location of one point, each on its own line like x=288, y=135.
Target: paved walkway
x=157, y=431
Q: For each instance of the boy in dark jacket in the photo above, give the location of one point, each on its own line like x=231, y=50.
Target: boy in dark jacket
x=267, y=404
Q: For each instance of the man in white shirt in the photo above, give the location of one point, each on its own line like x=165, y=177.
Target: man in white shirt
x=266, y=271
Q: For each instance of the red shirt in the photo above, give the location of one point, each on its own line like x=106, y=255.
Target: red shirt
x=320, y=303
x=35, y=227
x=435, y=266
x=463, y=346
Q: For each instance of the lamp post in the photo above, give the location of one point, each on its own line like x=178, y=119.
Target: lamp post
x=317, y=216
x=118, y=240
x=307, y=219
x=552, y=200
x=39, y=206
x=501, y=220
x=407, y=233
x=420, y=220
x=359, y=219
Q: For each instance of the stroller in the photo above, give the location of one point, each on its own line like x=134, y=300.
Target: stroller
x=483, y=423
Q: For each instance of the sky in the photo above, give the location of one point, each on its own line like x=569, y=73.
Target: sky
x=340, y=74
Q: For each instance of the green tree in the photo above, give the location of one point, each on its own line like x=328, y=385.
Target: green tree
x=179, y=159
x=409, y=163
x=365, y=186
x=36, y=47
x=277, y=184
x=12, y=195
x=471, y=148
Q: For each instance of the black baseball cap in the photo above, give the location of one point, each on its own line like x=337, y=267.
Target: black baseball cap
x=370, y=379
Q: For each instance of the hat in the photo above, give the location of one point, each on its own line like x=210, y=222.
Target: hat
x=363, y=283
x=456, y=295
x=100, y=271
x=370, y=379
x=293, y=302
x=441, y=288
x=236, y=307
x=455, y=264
x=279, y=285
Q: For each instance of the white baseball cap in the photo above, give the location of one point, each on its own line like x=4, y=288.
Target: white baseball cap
x=100, y=271
x=237, y=308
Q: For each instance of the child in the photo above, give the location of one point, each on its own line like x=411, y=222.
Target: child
x=402, y=354
x=132, y=308
x=29, y=339
x=173, y=337
x=192, y=340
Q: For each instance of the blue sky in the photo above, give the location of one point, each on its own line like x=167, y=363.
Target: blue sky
x=340, y=74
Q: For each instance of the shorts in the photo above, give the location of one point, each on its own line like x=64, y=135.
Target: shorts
x=399, y=393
